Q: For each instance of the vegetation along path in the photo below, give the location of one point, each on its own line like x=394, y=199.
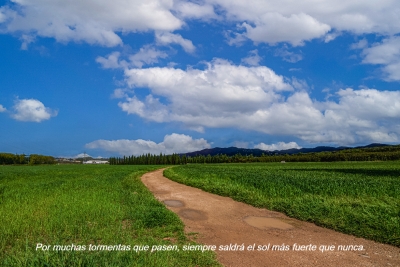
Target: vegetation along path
x=247, y=236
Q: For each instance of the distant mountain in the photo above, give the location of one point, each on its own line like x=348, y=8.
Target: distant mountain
x=230, y=151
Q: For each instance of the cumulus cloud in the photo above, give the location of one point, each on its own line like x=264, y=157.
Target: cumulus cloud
x=299, y=84
x=91, y=21
x=193, y=10
x=363, y=43
x=31, y=110
x=173, y=143
x=331, y=36
x=112, y=61
x=166, y=38
x=273, y=21
x=233, y=90
x=119, y=93
x=256, y=98
x=3, y=15
x=274, y=28
x=26, y=40
x=2, y=109
x=253, y=59
x=147, y=55
x=387, y=54
x=288, y=56
x=277, y=146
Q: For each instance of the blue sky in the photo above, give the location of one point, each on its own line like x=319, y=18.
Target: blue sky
x=149, y=76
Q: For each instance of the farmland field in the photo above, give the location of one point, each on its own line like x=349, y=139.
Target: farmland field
x=75, y=206
x=359, y=198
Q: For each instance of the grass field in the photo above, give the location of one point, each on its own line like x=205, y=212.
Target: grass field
x=75, y=206
x=359, y=198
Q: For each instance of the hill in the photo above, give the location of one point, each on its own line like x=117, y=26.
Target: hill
x=231, y=151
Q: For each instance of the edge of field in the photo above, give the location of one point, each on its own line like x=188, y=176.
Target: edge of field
x=82, y=205
x=346, y=216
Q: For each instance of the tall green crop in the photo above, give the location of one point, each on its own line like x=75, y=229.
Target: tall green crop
x=359, y=198
x=65, y=207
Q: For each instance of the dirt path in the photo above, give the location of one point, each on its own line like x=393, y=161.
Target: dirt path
x=223, y=221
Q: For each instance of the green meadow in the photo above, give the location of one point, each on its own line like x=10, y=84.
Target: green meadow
x=92, y=214
x=358, y=198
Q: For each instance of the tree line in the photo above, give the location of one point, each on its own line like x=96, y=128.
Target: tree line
x=149, y=159
x=22, y=159
x=364, y=154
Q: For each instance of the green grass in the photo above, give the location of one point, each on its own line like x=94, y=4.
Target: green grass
x=83, y=205
x=359, y=198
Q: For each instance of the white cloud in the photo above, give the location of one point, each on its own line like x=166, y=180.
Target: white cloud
x=26, y=40
x=299, y=84
x=277, y=146
x=31, y=110
x=174, y=143
x=387, y=54
x=119, y=93
x=234, y=38
x=166, y=38
x=194, y=10
x=288, y=56
x=222, y=90
x=3, y=15
x=342, y=15
x=147, y=55
x=274, y=27
x=331, y=36
x=91, y=21
x=270, y=21
x=111, y=61
x=253, y=59
x=363, y=43
x=2, y=109
x=383, y=53
x=241, y=144
x=253, y=98
x=151, y=109
x=367, y=104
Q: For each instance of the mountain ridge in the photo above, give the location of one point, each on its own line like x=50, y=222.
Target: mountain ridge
x=230, y=151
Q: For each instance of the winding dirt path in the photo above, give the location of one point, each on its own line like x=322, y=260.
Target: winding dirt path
x=223, y=221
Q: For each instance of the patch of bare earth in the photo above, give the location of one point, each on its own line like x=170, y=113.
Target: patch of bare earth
x=224, y=222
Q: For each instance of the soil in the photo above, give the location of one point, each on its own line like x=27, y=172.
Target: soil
x=224, y=222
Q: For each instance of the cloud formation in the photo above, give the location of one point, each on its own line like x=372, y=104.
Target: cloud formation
x=147, y=55
x=294, y=22
x=173, y=143
x=2, y=109
x=386, y=54
x=287, y=55
x=91, y=21
x=253, y=59
x=277, y=146
x=102, y=22
x=166, y=38
x=256, y=98
x=274, y=28
x=31, y=110
x=220, y=91
x=194, y=10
